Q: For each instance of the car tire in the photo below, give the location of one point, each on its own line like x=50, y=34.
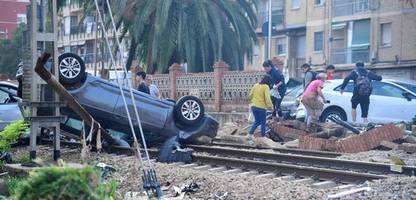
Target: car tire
x=335, y=112
x=71, y=69
x=189, y=110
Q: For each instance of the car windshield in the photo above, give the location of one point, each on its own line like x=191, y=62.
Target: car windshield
x=294, y=93
x=409, y=86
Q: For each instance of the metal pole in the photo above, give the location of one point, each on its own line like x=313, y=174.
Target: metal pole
x=269, y=35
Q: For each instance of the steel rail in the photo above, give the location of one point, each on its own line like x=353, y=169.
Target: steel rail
x=340, y=176
x=282, y=150
x=323, y=162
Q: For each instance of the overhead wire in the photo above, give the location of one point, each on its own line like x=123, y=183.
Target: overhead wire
x=119, y=85
x=129, y=85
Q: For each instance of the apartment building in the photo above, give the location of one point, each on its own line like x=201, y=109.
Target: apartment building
x=382, y=33
x=12, y=13
x=81, y=34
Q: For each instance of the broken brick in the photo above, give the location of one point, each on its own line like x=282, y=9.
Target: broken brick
x=308, y=142
x=356, y=143
x=388, y=145
x=409, y=148
x=286, y=132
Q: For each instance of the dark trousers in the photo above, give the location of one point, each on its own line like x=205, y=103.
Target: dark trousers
x=363, y=101
x=276, y=105
x=259, y=119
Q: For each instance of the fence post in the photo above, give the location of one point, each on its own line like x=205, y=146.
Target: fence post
x=174, y=70
x=219, y=68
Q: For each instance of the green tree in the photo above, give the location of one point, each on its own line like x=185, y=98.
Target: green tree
x=11, y=52
x=198, y=32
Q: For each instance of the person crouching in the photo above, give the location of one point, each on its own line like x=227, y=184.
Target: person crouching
x=310, y=99
x=260, y=101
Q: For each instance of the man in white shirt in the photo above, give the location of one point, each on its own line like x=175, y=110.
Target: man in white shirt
x=154, y=91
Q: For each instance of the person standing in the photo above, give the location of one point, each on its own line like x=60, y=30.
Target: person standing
x=141, y=76
x=310, y=100
x=277, y=86
x=330, y=70
x=260, y=101
x=154, y=91
x=309, y=75
x=362, y=90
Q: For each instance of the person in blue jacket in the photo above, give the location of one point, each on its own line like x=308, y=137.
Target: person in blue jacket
x=278, y=87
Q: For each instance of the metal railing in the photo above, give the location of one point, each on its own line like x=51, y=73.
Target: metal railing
x=350, y=55
x=349, y=7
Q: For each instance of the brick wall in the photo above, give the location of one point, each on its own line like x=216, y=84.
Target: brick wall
x=221, y=90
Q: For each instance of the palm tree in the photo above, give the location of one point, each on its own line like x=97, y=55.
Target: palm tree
x=198, y=32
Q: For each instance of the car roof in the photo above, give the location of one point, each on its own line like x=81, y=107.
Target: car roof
x=8, y=83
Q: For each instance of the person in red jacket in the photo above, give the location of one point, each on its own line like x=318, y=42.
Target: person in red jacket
x=330, y=70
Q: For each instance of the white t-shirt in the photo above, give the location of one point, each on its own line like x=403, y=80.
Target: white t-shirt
x=153, y=90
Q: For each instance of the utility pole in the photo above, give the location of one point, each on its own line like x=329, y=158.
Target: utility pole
x=102, y=43
x=269, y=35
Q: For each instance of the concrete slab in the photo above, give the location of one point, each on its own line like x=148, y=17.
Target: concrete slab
x=304, y=181
x=249, y=173
x=268, y=175
x=285, y=178
x=203, y=167
x=348, y=193
x=217, y=169
x=192, y=165
x=344, y=187
x=232, y=171
x=324, y=185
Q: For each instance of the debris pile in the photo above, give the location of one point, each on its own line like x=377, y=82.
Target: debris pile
x=334, y=137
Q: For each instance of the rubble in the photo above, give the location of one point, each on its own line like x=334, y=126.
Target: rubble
x=387, y=145
x=407, y=147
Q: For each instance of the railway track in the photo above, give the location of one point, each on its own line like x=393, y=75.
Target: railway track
x=312, y=169
x=281, y=150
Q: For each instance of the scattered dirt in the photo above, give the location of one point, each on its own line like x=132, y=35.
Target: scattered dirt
x=237, y=186
x=381, y=156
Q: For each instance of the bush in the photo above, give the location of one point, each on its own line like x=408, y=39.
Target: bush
x=11, y=133
x=65, y=183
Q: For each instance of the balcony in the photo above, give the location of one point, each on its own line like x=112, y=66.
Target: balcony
x=350, y=55
x=349, y=7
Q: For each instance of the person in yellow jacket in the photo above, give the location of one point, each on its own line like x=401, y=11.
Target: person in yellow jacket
x=260, y=101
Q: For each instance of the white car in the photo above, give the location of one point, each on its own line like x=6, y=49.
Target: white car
x=391, y=101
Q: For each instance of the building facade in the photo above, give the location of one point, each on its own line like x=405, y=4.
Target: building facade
x=381, y=33
x=12, y=13
x=81, y=34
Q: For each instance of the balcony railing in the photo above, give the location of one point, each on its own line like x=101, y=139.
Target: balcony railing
x=350, y=55
x=349, y=7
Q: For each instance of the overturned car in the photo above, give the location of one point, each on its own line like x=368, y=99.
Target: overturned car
x=160, y=119
x=163, y=121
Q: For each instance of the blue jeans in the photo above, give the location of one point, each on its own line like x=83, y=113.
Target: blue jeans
x=259, y=119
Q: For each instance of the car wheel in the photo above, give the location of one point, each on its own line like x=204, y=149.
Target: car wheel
x=336, y=113
x=189, y=110
x=71, y=68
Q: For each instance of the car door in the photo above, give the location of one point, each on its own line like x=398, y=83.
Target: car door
x=387, y=104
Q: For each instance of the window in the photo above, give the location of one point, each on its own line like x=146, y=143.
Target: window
x=319, y=2
x=295, y=4
x=385, y=89
x=318, y=41
x=281, y=46
x=361, y=32
x=21, y=18
x=3, y=96
x=385, y=34
x=348, y=88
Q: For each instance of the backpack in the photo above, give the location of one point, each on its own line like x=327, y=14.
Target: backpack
x=363, y=84
x=313, y=77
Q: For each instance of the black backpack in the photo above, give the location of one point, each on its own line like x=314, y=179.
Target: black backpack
x=363, y=84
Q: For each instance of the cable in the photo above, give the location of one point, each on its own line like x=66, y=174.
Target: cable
x=130, y=87
x=118, y=81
